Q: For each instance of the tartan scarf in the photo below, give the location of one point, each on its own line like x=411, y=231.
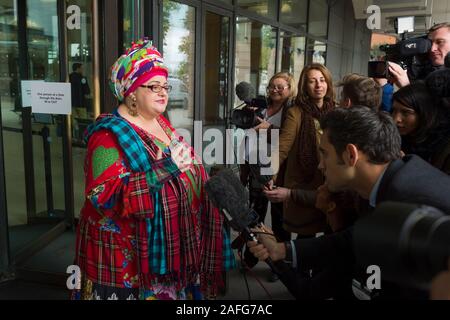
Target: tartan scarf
x=185, y=239
x=308, y=157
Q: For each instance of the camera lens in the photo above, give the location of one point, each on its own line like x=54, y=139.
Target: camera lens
x=410, y=243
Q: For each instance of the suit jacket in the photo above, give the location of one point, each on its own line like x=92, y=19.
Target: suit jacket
x=410, y=180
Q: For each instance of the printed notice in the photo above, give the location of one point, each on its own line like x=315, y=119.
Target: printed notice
x=26, y=91
x=51, y=98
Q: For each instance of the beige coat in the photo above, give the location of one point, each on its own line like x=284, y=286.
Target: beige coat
x=301, y=219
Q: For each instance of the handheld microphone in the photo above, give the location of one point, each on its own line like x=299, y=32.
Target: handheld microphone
x=229, y=195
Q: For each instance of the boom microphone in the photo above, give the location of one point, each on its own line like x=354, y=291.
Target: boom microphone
x=245, y=91
x=229, y=195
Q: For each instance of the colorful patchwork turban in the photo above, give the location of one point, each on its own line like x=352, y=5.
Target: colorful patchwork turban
x=138, y=65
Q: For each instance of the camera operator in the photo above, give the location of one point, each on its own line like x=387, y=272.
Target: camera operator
x=281, y=92
x=439, y=35
x=360, y=152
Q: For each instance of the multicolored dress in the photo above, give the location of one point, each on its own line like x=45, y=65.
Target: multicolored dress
x=147, y=231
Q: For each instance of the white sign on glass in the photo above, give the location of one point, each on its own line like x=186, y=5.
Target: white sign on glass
x=51, y=98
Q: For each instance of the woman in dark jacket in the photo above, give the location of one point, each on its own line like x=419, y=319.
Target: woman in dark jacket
x=423, y=124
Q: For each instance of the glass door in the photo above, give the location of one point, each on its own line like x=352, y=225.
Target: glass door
x=9, y=78
x=216, y=82
x=35, y=145
x=81, y=69
x=31, y=141
x=179, y=51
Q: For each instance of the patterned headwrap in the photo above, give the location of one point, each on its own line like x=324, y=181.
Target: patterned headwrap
x=139, y=64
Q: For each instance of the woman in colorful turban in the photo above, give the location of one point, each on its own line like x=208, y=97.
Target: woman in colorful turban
x=147, y=229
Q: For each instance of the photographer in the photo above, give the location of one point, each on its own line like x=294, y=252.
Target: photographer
x=361, y=152
x=281, y=92
x=439, y=35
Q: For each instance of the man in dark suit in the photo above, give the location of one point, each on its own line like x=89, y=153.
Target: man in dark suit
x=80, y=89
x=360, y=152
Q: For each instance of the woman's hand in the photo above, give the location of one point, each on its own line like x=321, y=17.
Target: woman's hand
x=181, y=155
x=277, y=194
x=263, y=124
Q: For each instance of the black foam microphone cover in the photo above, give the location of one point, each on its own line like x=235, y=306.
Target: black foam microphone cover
x=227, y=193
x=245, y=91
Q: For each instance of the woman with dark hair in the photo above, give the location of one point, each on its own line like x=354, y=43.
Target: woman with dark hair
x=299, y=139
x=423, y=124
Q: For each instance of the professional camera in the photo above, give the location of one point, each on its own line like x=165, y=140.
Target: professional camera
x=246, y=115
x=410, y=243
x=410, y=54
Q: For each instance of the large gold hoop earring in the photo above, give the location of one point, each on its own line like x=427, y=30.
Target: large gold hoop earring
x=132, y=110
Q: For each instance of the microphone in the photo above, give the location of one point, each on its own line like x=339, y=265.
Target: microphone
x=245, y=91
x=228, y=194
x=438, y=82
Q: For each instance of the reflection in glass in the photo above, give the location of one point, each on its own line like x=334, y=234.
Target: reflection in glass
x=43, y=46
x=11, y=120
x=265, y=8
x=316, y=52
x=318, y=18
x=294, y=13
x=216, y=66
x=216, y=79
x=255, y=54
x=80, y=51
x=131, y=29
x=179, y=56
x=292, y=53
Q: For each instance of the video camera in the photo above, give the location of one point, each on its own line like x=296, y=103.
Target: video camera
x=410, y=243
x=411, y=54
x=246, y=115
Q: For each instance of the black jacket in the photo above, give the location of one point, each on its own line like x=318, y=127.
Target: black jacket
x=80, y=88
x=410, y=180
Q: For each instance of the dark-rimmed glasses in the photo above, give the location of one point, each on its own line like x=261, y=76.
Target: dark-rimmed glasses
x=156, y=88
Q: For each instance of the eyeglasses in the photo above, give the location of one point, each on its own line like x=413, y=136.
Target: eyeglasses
x=277, y=88
x=156, y=88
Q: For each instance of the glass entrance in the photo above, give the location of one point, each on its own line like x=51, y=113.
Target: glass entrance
x=37, y=147
x=216, y=82
x=34, y=156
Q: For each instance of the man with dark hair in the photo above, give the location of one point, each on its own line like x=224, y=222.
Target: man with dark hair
x=360, y=152
x=360, y=90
